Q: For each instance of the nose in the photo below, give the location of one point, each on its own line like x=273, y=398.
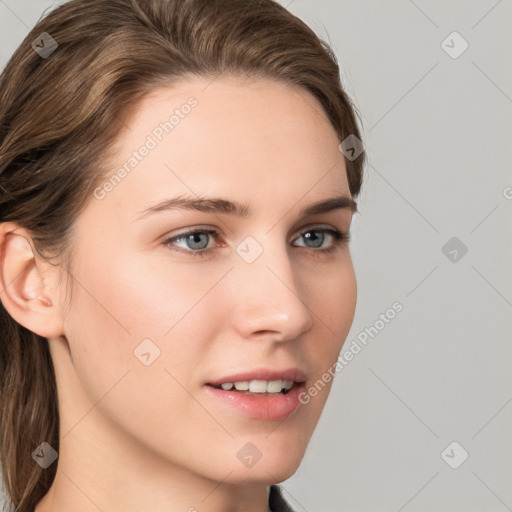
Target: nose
x=269, y=299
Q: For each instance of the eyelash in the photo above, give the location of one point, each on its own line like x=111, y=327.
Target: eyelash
x=339, y=239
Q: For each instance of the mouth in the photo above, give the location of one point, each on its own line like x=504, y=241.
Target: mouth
x=262, y=394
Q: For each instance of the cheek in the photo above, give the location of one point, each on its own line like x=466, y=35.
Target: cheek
x=118, y=306
x=333, y=303
x=332, y=299
x=125, y=306
x=144, y=298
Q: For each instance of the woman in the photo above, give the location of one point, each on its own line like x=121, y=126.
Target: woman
x=175, y=269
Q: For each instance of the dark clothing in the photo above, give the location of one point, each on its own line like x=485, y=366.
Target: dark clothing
x=276, y=502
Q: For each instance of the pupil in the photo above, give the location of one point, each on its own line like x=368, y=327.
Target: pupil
x=194, y=239
x=317, y=240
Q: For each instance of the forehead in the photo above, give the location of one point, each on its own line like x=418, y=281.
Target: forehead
x=244, y=108
x=253, y=138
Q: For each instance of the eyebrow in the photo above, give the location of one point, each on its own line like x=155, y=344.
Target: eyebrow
x=226, y=207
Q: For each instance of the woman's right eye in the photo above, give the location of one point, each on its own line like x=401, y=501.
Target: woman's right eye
x=194, y=242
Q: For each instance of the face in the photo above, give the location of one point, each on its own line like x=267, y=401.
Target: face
x=173, y=301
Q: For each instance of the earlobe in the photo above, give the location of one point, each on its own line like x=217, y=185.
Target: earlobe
x=25, y=289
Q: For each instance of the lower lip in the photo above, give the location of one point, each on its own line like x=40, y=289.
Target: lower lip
x=269, y=408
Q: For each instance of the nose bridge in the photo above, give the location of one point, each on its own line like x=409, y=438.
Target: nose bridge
x=269, y=296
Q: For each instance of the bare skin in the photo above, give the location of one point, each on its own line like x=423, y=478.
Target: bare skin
x=137, y=437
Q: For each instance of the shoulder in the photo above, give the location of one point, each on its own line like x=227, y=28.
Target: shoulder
x=276, y=501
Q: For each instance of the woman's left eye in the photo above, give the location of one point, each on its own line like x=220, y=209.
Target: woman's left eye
x=196, y=242
x=312, y=236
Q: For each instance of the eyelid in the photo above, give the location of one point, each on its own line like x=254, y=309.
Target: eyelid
x=215, y=231
x=313, y=227
x=191, y=230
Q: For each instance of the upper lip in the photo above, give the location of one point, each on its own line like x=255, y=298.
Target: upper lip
x=294, y=374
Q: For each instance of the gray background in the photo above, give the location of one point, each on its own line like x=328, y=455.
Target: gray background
x=437, y=133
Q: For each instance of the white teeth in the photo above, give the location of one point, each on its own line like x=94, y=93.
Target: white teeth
x=259, y=386
x=274, y=386
x=242, y=386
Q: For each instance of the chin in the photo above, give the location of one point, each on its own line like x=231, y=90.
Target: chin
x=267, y=473
x=267, y=460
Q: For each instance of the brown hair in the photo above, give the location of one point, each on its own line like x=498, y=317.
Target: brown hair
x=59, y=115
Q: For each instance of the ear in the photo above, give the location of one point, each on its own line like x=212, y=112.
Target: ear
x=28, y=283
